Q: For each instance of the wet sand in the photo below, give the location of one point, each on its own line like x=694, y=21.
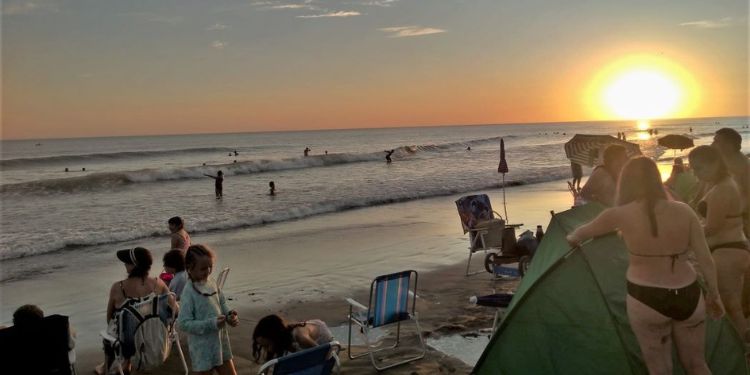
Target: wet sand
x=303, y=269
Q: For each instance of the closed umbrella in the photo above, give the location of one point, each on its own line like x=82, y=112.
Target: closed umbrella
x=503, y=168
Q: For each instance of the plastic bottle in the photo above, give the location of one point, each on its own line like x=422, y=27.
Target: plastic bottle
x=539, y=233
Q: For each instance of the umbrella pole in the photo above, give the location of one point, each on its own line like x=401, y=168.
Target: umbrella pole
x=505, y=207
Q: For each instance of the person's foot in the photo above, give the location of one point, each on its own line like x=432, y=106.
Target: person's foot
x=99, y=369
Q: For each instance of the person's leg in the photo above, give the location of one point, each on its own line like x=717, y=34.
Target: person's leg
x=654, y=335
x=690, y=340
x=227, y=368
x=731, y=265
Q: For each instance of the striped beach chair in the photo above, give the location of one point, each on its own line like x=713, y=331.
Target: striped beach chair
x=319, y=360
x=392, y=301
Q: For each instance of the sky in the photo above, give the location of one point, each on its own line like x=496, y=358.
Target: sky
x=140, y=67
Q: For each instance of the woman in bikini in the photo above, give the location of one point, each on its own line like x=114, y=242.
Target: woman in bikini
x=723, y=226
x=664, y=300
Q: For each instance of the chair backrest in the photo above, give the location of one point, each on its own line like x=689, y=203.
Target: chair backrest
x=222, y=278
x=472, y=209
x=36, y=350
x=319, y=360
x=389, y=298
x=129, y=319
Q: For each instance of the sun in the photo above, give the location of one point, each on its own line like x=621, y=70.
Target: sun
x=642, y=94
x=641, y=87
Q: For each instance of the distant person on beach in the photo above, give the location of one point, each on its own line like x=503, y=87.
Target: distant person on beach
x=624, y=138
x=236, y=153
x=180, y=239
x=388, y=155
x=326, y=152
x=276, y=337
x=66, y=169
x=219, y=185
x=174, y=265
x=691, y=129
x=271, y=188
x=137, y=287
x=468, y=148
x=602, y=184
x=577, y=171
x=205, y=315
x=723, y=227
x=664, y=299
x=307, y=151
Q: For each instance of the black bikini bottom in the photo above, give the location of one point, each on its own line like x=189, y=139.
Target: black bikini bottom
x=678, y=304
x=742, y=245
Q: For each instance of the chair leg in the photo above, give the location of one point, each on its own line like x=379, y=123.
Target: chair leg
x=182, y=355
x=468, y=264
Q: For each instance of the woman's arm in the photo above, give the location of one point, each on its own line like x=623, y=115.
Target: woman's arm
x=706, y=265
x=606, y=222
x=717, y=204
x=176, y=241
x=111, y=302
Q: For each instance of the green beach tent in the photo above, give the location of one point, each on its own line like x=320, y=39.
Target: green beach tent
x=568, y=314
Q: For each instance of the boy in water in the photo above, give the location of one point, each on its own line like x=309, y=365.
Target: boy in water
x=219, y=183
x=388, y=156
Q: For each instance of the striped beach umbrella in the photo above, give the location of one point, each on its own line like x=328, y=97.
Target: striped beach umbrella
x=585, y=149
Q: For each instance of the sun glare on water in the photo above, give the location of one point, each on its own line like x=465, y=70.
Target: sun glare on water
x=642, y=88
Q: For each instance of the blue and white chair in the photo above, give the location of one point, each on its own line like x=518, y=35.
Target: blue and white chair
x=320, y=360
x=392, y=301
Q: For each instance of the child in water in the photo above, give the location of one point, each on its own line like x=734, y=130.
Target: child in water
x=204, y=316
x=275, y=337
x=219, y=183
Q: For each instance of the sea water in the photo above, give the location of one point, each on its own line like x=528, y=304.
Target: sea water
x=132, y=185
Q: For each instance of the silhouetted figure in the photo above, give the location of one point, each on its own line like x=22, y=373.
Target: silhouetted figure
x=691, y=129
x=577, y=172
x=83, y=169
x=307, y=151
x=235, y=160
x=468, y=148
x=388, y=156
x=219, y=186
x=271, y=188
x=229, y=154
x=326, y=152
x=236, y=153
x=66, y=169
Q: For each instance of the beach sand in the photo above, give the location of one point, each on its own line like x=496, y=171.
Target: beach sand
x=304, y=269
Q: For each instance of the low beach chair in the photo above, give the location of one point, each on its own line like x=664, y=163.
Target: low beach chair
x=127, y=322
x=319, y=360
x=388, y=304
x=39, y=350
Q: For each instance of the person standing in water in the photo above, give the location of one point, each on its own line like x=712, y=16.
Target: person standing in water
x=307, y=151
x=388, y=156
x=577, y=171
x=219, y=183
x=271, y=188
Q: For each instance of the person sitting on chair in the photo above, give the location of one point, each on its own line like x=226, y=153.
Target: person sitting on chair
x=602, y=183
x=276, y=337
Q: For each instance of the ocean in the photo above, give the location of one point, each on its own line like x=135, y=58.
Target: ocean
x=132, y=185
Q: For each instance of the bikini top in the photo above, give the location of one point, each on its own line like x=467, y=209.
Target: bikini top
x=703, y=211
x=673, y=256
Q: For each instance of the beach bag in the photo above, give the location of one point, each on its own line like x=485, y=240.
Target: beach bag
x=151, y=338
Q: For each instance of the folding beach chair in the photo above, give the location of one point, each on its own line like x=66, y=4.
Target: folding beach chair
x=41, y=350
x=130, y=319
x=388, y=304
x=222, y=278
x=320, y=360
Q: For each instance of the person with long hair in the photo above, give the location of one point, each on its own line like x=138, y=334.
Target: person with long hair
x=275, y=336
x=724, y=229
x=137, y=287
x=179, y=237
x=602, y=183
x=664, y=300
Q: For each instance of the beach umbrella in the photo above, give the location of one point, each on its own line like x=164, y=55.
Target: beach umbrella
x=585, y=149
x=675, y=142
x=503, y=168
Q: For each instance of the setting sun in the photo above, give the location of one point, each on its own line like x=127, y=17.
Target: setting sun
x=642, y=87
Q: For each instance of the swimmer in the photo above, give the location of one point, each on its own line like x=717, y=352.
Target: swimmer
x=388, y=156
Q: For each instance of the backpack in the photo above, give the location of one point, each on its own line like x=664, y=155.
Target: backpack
x=151, y=341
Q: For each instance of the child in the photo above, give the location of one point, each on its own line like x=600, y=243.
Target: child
x=204, y=315
x=275, y=336
x=180, y=239
x=219, y=183
x=174, y=264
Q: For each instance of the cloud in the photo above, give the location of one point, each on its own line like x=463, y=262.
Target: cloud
x=216, y=27
x=406, y=31
x=340, y=13
x=709, y=24
x=291, y=6
x=218, y=44
x=14, y=8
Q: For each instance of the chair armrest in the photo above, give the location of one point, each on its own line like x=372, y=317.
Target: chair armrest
x=107, y=336
x=356, y=304
x=266, y=366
